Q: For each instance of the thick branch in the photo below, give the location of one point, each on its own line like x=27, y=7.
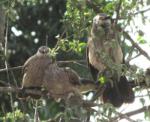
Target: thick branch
x=127, y=36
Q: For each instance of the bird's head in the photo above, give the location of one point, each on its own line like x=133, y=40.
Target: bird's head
x=102, y=20
x=43, y=50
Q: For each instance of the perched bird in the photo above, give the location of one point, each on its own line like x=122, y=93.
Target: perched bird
x=103, y=53
x=65, y=84
x=34, y=69
x=61, y=81
x=41, y=70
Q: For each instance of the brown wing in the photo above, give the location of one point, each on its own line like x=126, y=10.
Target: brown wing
x=28, y=62
x=34, y=71
x=56, y=81
x=72, y=75
x=94, y=71
x=83, y=85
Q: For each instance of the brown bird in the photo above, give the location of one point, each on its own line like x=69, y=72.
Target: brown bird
x=34, y=69
x=40, y=70
x=60, y=82
x=65, y=84
x=103, y=53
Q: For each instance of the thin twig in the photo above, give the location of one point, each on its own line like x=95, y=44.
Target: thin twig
x=59, y=62
x=59, y=39
x=71, y=61
x=12, y=68
x=131, y=58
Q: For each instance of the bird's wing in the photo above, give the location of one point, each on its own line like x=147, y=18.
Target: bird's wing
x=72, y=76
x=83, y=85
x=94, y=71
x=27, y=63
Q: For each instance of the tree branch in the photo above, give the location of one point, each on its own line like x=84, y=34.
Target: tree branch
x=142, y=11
x=118, y=11
x=12, y=68
x=79, y=62
x=140, y=110
x=127, y=36
x=18, y=90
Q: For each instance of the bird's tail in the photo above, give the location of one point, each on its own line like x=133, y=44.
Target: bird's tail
x=119, y=93
x=86, y=85
x=126, y=90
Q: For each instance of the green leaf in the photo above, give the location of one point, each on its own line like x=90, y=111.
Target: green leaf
x=141, y=40
x=102, y=79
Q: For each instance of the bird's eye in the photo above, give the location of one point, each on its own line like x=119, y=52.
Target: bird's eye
x=101, y=18
x=108, y=17
x=42, y=51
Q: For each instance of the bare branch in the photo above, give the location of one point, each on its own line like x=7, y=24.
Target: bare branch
x=131, y=58
x=79, y=62
x=142, y=11
x=71, y=61
x=127, y=36
x=125, y=116
x=140, y=110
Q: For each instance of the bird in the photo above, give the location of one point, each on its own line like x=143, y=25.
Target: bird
x=64, y=84
x=34, y=70
x=103, y=53
x=41, y=71
x=62, y=81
